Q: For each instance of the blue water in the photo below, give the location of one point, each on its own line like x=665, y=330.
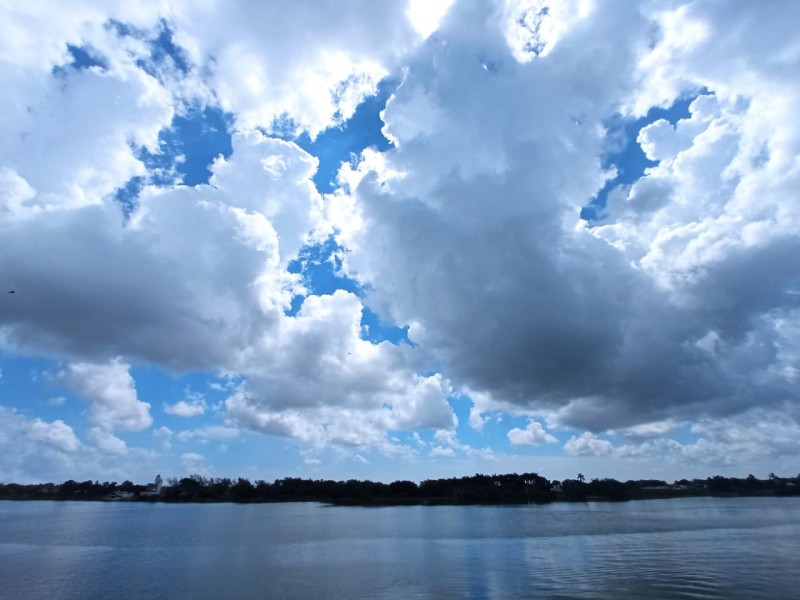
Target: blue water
x=696, y=548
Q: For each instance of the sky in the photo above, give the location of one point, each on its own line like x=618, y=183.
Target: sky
x=399, y=240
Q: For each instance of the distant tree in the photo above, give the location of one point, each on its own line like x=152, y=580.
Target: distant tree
x=218, y=488
x=718, y=484
x=610, y=489
x=403, y=488
x=242, y=489
x=581, y=478
x=574, y=489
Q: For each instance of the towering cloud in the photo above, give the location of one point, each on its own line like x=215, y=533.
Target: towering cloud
x=676, y=303
x=668, y=308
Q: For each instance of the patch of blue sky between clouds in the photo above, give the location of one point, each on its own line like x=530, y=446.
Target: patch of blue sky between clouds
x=34, y=387
x=321, y=269
x=196, y=136
x=187, y=150
x=80, y=58
x=28, y=385
x=494, y=433
x=319, y=264
x=163, y=51
x=375, y=330
x=225, y=449
x=684, y=435
x=164, y=55
x=625, y=154
x=160, y=388
x=84, y=58
x=193, y=142
x=155, y=385
x=340, y=144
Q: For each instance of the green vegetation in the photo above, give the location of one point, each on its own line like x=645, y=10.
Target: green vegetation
x=479, y=489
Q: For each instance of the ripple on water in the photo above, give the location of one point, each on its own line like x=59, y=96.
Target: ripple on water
x=710, y=549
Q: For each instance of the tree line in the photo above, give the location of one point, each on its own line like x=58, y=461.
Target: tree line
x=477, y=489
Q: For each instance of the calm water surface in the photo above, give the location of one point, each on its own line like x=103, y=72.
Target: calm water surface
x=697, y=548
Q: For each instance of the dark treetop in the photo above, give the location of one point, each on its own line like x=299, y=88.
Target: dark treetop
x=478, y=489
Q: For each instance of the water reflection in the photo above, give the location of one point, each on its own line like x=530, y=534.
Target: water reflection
x=700, y=548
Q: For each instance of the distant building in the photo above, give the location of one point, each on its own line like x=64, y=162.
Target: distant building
x=153, y=489
x=119, y=495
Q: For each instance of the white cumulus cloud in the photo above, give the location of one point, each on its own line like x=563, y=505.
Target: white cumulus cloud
x=588, y=444
x=112, y=393
x=194, y=405
x=533, y=435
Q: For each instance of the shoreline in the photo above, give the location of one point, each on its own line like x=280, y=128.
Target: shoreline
x=477, y=490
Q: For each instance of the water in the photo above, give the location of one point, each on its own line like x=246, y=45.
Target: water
x=695, y=548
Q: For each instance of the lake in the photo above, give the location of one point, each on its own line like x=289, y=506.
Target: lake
x=680, y=548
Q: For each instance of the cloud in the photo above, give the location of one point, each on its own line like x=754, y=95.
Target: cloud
x=678, y=305
x=58, y=25
x=36, y=450
x=754, y=441
x=194, y=464
x=182, y=408
x=533, y=435
x=674, y=305
x=164, y=435
x=32, y=447
x=57, y=435
x=106, y=442
x=442, y=451
x=303, y=63
x=143, y=289
x=192, y=406
x=212, y=296
x=650, y=430
x=588, y=444
x=425, y=15
x=511, y=286
x=662, y=141
x=309, y=62
x=746, y=441
x=325, y=384
x=446, y=444
x=112, y=393
x=210, y=432
x=104, y=117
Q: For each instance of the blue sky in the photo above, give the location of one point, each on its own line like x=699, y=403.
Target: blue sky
x=347, y=247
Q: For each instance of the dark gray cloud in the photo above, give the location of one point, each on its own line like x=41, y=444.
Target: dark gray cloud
x=663, y=311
